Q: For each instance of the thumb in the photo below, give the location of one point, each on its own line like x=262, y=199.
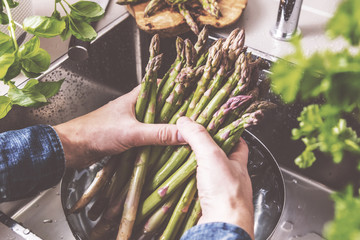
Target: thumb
x=158, y=134
x=199, y=139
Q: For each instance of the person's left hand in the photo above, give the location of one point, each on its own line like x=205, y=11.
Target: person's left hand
x=110, y=130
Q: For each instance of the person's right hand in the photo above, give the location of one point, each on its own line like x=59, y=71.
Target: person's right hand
x=224, y=185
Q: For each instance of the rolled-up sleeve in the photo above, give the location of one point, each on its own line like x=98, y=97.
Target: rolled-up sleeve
x=216, y=230
x=31, y=160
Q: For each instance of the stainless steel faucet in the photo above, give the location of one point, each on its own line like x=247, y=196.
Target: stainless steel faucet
x=287, y=20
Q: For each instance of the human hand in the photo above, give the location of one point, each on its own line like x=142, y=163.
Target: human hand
x=110, y=130
x=224, y=185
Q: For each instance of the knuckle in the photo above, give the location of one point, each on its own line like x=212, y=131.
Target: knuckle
x=164, y=135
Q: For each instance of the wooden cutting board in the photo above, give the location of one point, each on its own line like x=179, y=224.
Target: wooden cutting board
x=168, y=22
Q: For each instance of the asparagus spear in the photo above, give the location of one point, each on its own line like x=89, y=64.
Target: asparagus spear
x=179, y=56
x=234, y=103
x=125, y=2
x=140, y=168
x=223, y=93
x=99, y=181
x=236, y=46
x=215, y=84
x=190, y=53
x=160, y=154
x=210, y=9
x=183, y=81
x=201, y=41
x=107, y=224
x=142, y=100
x=180, y=210
x=212, y=63
x=179, y=156
x=170, y=82
x=189, y=167
x=188, y=18
x=193, y=217
x=153, y=6
x=156, y=220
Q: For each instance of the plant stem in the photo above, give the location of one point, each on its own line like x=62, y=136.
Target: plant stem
x=11, y=25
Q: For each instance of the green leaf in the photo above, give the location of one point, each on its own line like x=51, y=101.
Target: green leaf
x=31, y=83
x=6, y=60
x=286, y=80
x=346, y=222
x=25, y=98
x=37, y=63
x=48, y=89
x=46, y=27
x=30, y=74
x=13, y=71
x=6, y=44
x=346, y=22
x=66, y=33
x=91, y=11
x=56, y=14
x=82, y=30
x=30, y=48
x=4, y=18
x=5, y=106
x=12, y=3
x=305, y=160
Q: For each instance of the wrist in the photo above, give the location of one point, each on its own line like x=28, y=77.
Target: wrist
x=239, y=214
x=75, y=142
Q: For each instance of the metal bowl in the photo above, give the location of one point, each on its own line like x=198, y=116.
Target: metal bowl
x=267, y=182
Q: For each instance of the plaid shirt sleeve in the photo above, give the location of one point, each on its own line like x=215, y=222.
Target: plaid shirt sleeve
x=31, y=160
x=215, y=231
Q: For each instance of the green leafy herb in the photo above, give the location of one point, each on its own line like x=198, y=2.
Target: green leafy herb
x=346, y=22
x=3, y=18
x=82, y=30
x=46, y=27
x=333, y=78
x=32, y=60
x=346, y=224
x=86, y=10
x=25, y=97
x=5, y=106
x=6, y=60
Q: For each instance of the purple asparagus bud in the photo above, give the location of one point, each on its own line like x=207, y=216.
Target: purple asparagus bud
x=230, y=39
x=220, y=116
x=190, y=53
x=154, y=46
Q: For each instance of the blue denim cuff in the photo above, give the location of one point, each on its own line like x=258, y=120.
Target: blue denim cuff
x=216, y=230
x=31, y=160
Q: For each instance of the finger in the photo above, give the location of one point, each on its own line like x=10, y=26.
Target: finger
x=197, y=137
x=240, y=153
x=132, y=95
x=158, y=134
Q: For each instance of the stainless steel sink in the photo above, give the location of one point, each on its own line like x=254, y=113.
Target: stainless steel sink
x=114, y=67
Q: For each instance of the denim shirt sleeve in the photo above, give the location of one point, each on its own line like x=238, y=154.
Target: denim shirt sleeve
x=215, y=230
x=31, y=160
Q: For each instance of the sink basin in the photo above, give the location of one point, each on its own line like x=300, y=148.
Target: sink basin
x=115, y=66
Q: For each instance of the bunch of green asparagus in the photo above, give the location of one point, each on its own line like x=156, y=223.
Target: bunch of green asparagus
x=216, y=87
x=184, y=7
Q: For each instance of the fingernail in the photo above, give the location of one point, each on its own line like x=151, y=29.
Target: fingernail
x=183, y=119
x=180, y=138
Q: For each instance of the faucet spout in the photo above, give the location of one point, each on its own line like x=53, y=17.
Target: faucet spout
x=287, y=20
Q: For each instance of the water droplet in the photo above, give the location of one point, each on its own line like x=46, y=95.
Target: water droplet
x=287, y=226
x=294, y=181
x=47, y=221
x=26, y=231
